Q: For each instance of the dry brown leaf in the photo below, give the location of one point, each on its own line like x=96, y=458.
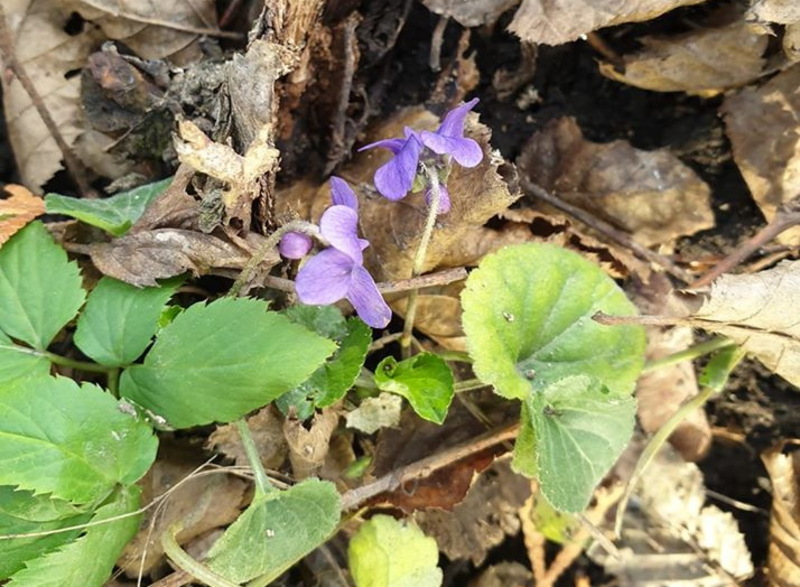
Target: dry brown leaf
x=759, y=312
x=153, y=30
x=553, y=22
x=780, y=11
x=200, y=504
x=470, y=13
x=144, y=257
x=762, y=124
x=47, y=54
x=375, y=413
x=791, y=41
x=703, y=62
x=482, y=521
x=266, y=427
x=783, y=559
x=308, y=447
x=17, y=210
x=650, y=194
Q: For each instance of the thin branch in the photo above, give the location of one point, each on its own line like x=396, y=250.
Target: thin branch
x=423, y=468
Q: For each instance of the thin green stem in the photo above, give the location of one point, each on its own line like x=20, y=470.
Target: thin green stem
x=263, y=485
x=692, y=352
x=186, y=563
x=419, y=259
x=113, y=382
x=269, y=244
x=469, y=385
x=74, y=364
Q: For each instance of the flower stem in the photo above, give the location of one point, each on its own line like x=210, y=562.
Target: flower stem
x=269, y=244
x=419, y=259
x=263, y=485
x=72, y=363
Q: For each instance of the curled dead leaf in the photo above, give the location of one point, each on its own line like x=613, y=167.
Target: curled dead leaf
x=650, y=194
x=17, y=210
x=308, y=447
x=470, y=14
x=761, y=123
x=779, y=11
x=783, y=558
x=553, y=22
x=702, y=62
x=142, y=258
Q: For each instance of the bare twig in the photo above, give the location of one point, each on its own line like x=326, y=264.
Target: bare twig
x=339, y=119
x=435, y=57
x=423, y=468
x=9, y=55
x=787, y=216
x=606, y=229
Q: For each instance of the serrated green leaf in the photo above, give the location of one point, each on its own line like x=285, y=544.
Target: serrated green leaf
x=40, y=290
x=217, y=362
x=89, y=560
x=17, y=361
x=388, y=553
x=71, y=441
x=424, y=380
x=115, y=214
x=580, y=432
x=528, y=319
x=276, y=531
x=120, y=320
x=21, y=512
x=331, y=381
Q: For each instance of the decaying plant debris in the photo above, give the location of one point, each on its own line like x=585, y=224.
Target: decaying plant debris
x=652, y=137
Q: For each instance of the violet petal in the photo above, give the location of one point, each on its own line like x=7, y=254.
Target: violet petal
x=444, y=199
x=453, y=123
x=325, y=278
x=466, y=152
x=395, y=178
x=394, y=145
x=342, y=194
x=339, y=226
x=367, y=300
x=295, y=245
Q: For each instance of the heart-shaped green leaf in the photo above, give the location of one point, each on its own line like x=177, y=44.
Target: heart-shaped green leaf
x=424, y=380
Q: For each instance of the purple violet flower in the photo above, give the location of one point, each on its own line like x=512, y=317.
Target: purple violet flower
x=449, y=137
x=395, y=178
x=338, y=271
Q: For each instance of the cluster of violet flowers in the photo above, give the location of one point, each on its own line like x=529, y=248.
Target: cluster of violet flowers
x=337, y=272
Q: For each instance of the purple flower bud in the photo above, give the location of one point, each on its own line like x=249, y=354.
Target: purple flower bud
x=444, y=199
x=294, y=245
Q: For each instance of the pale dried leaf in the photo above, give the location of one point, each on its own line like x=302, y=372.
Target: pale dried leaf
x=762, y=124
x=779, y=11
x=153, y=30
x=791, y=41
x=759, y=312
x=47, y=54
x=650, y=194
x=17, y=210
x=554, y=22
x=375, y=413
x=470, y=13
x=144, y=257
x=308, y=447
x=703, y=62
x=784, y=546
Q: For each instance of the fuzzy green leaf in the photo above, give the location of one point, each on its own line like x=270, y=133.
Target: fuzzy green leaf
x=276, y=531
x=580, y=432
x=40, y=290
x=217, y=362
x=115, y=214
x=389, y=553
x=424, y=380
x=120, y=320
x=528, y=319
x=89, y=560
x=71, y=441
